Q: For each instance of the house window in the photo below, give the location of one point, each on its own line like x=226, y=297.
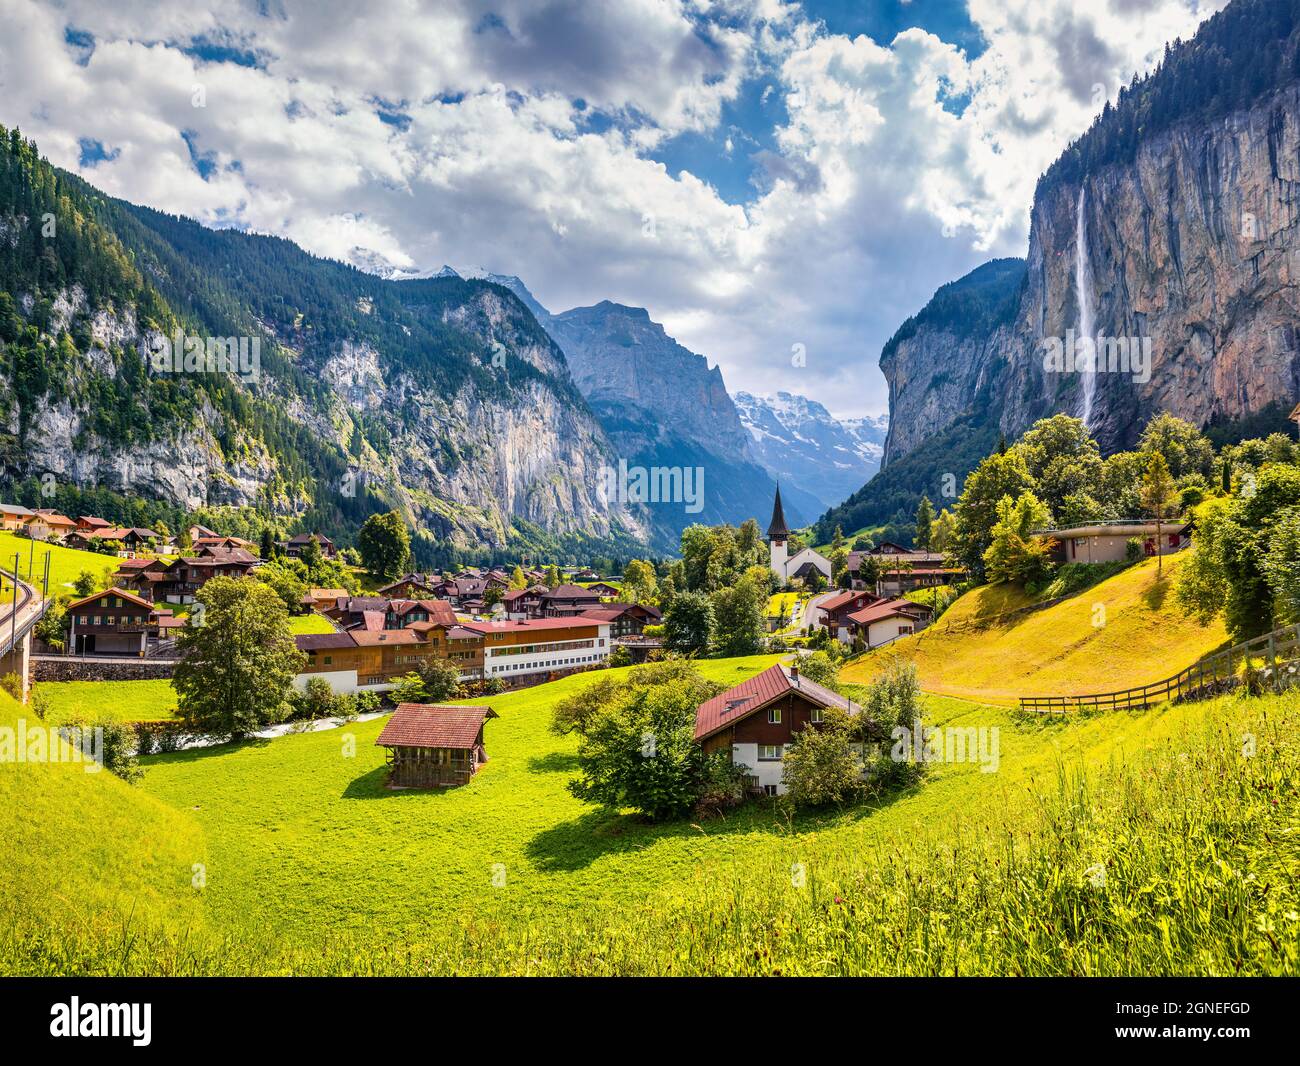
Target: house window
x=817, y=715
x=769, y=790
x=329, y=659
x=769, y=752
x=774, y=716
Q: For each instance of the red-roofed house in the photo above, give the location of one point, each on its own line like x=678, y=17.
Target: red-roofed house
x=836, y=610
x=758, y=718
x=885, y=622
x=434, y=746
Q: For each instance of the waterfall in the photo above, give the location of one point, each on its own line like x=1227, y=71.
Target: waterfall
x=1081, y=281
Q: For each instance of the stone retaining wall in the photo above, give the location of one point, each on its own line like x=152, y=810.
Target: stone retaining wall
x=74, y=669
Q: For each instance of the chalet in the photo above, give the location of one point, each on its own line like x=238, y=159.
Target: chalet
x=113, y=622
x=295, y=545
x=371, y=660
x=200, y=543
x=412, y=587
x=434, y=746
x=1107, y=542
x=91, y=523
x=757, y=720
x=12, y=516
x=323, y=599
x=179, y=580
x=400, y=614
x=539, y=649
x=568, y=600
x=624, y=619
x=886, y=621
x=836, y=610
x=605, y=590
x=197, y=532
x=126, y=542
x=48, y=525
x=902, y=569
x=524, y=603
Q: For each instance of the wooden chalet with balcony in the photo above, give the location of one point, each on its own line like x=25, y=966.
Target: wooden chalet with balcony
x=758, y=719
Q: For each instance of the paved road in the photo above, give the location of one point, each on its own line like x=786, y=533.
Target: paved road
x=813, y=612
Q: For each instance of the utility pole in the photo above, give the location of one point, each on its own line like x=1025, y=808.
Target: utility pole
x=31, y=558
x=45, y=579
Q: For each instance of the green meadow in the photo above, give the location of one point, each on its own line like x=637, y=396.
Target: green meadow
x=66, y=564
x=112, y=701
x=1165, y=841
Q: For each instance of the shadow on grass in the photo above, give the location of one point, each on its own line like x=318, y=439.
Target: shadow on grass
x=576, y=844
x=197, y=754
x=373, y=784
x=555, y=762
x=1155, y=596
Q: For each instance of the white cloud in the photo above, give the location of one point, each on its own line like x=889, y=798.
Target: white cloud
x=489, y=158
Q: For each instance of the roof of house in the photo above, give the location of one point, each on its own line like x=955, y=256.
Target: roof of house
x=203, y=531
x=438, y=610
x=136, y=564
x=609, y=612
x=14, y=509
x=405, y=579
x=368, y=638
x=877, y=612
x=843, y=599
x=53, y=518
x=328, y=594
x=740, y=701
x=417, y=725
x=303, y=538
x=358, y=604
x=130, y=597
x=1130, y=526
x=91, y=520
x=532, y=624
x=570, y=592
x=323, y=641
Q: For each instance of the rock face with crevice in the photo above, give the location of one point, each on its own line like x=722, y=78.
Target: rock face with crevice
x=1193, y=250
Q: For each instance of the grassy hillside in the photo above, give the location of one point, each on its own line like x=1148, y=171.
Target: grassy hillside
x=1126, y=631
x=65, y=563
x=1120, y=843
x=117, y=701
x=86, y=857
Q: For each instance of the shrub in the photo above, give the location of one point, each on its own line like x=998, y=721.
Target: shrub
x=1133, y=550
x=820, y=767
x=892, y=709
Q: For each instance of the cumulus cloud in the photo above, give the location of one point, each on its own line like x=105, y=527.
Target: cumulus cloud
x=521, y=135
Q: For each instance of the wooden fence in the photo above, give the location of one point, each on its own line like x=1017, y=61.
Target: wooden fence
x=1215, y=673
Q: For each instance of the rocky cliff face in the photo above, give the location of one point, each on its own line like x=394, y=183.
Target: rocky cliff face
x=1184, y=262
x=463, y=465
x=661, y=405
x=801, y=444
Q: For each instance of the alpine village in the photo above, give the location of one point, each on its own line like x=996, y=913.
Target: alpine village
x=361, y=621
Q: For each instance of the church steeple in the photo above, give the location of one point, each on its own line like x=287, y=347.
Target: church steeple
x=777, y=529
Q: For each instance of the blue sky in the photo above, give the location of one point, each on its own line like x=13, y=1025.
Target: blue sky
x=764, y=176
